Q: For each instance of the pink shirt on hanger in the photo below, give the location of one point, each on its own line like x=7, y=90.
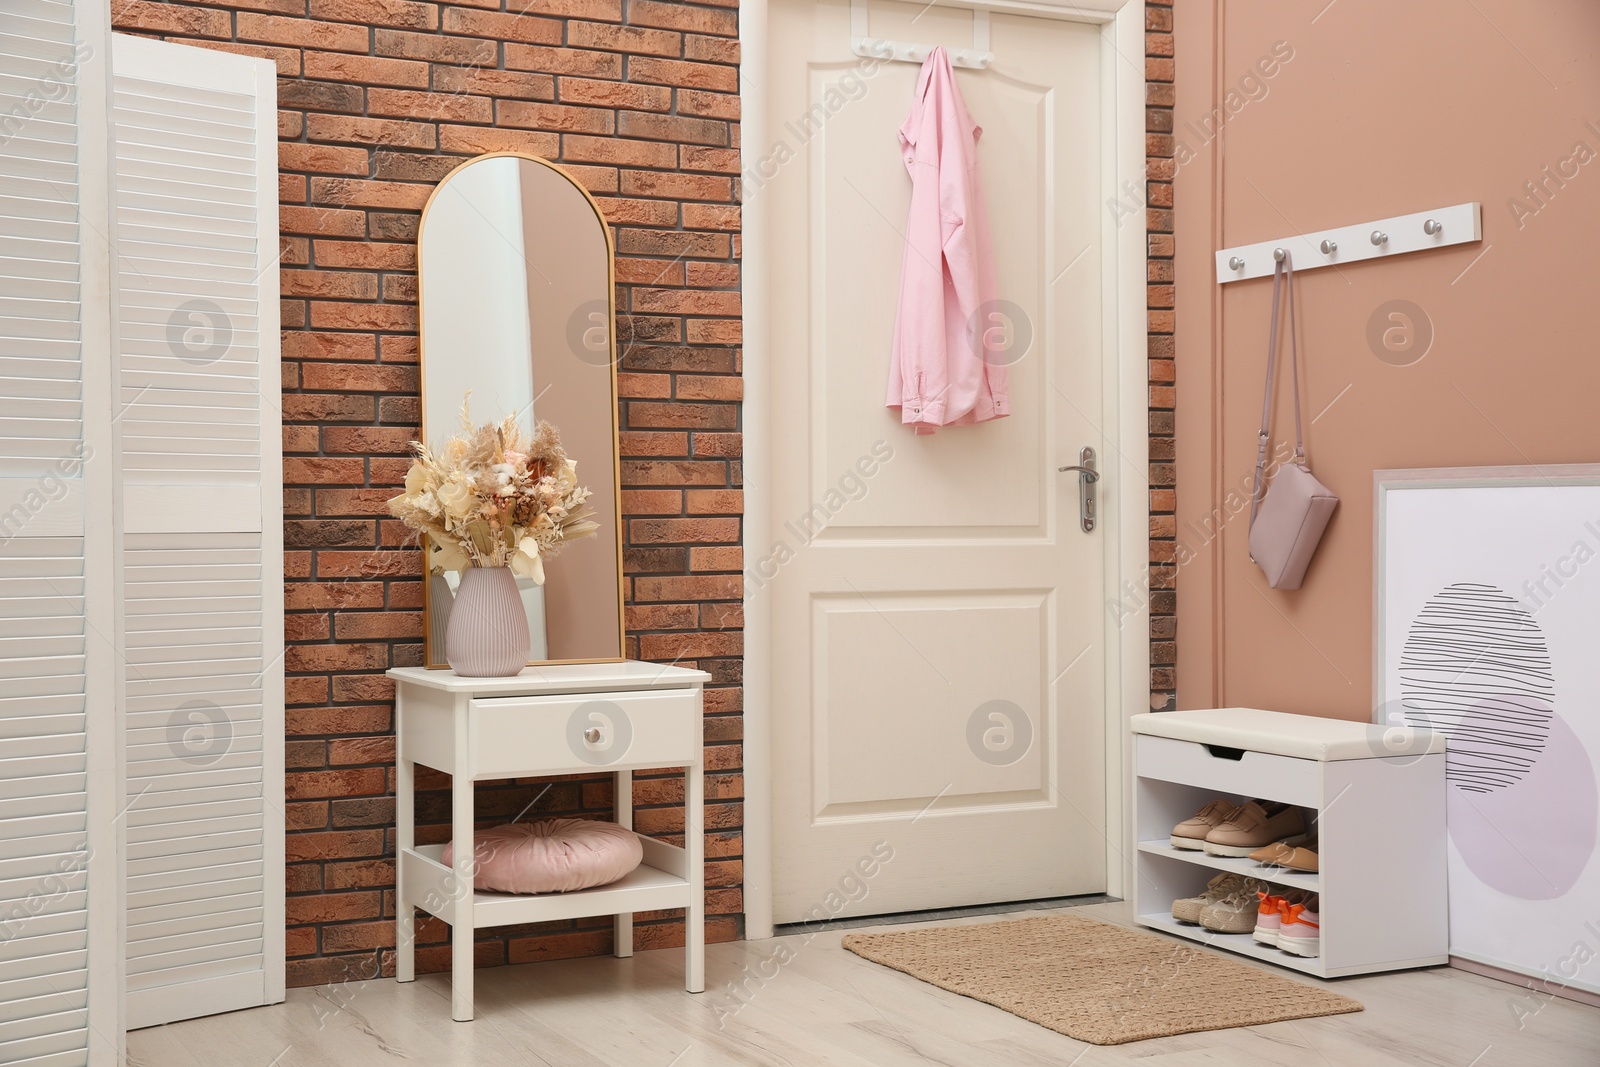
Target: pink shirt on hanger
x=938, y=373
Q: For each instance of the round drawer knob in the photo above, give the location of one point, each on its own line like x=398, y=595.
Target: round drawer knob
x=592, y=735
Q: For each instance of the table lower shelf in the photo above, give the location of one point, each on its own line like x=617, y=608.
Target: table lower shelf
x=656, y=884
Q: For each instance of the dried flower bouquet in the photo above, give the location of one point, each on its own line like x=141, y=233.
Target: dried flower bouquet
x=492, y=498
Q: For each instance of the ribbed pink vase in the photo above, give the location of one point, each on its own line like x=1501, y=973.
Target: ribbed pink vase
x=488, y=632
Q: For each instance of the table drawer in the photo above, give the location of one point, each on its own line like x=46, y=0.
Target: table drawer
x=526, y=736
x=1252, y=774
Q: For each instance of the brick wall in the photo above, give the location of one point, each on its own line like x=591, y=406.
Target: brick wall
x=379, y=100
x=1159, y=170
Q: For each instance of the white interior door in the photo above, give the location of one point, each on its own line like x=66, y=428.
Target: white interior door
x=197, y=228
x=939, y=653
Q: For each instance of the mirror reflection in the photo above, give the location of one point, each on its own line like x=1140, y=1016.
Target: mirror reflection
x=515, y=277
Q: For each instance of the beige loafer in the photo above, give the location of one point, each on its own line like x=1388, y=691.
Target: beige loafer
x=1191, y=833
x=1254, y=825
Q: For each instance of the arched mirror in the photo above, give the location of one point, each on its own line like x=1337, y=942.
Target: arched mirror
x=516, y=295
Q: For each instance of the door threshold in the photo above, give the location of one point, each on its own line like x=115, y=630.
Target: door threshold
x=941, y=914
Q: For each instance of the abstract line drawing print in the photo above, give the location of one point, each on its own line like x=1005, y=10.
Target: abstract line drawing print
x=1477, y=667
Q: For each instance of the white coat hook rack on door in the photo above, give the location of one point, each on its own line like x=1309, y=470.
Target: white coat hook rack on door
x=978, y=57
x=1381, y=239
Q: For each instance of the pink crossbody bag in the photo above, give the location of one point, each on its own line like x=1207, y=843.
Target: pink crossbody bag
x=1287, y=520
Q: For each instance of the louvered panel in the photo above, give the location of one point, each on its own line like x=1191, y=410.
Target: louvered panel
x=245, y=790
x=17, y=833
x=31, y=890
x=207, y=965
x=197, y=233
x=24, y=728
x=162, y=917
x=25, y=753
x=27, y=1000
x=59, y=704
x=57, y=1046
x=167, y=900
x=157, y=835
x=44, y=790
x=69, y=930
x=195, y=757
x=163, y=887
x=60, y=1059
x=44, y=803
x=165, y=936
x=176, y=814
x=51, y=804
x=191, y=372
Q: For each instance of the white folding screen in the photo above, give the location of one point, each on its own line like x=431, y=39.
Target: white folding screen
x=60, y=625
x=197, y=235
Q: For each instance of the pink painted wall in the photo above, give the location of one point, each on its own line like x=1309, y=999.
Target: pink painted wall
x=1359, y=110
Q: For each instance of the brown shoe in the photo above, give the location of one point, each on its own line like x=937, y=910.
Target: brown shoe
x=1188, y=909
x=1191, y=833
x=1236, y=912
x=1255, y=824
x=1300, y=859
x=1272, y=855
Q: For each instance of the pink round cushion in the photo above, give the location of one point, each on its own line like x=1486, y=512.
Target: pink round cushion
x=552, y=855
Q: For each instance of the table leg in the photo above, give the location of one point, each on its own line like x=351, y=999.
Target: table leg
x=623, y=937
x=405, y=915
x=694, y=843
x=461, y=931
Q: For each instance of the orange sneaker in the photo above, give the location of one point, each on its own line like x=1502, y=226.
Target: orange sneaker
x=1300, y=931
x=1269, y=918
x=1270, y=913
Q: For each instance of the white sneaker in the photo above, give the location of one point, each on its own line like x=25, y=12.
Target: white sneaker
x=1300, y=932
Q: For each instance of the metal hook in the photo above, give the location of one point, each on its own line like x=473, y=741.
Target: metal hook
x=1379, y=237
x=1329, y=247
x=1278, y=254
x=1235, y=263
x=1432, y=227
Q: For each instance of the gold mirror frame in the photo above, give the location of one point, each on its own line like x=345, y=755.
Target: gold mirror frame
x=432, y=657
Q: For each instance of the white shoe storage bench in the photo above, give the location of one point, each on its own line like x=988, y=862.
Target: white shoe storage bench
x=1377, y=795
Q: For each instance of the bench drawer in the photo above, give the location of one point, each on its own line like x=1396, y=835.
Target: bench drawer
x=1252, y=774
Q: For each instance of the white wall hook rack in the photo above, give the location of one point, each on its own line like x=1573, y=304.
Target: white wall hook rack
x=1382, y=239
x=978, y=57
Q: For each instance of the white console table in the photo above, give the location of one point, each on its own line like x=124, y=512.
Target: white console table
x=548, y=720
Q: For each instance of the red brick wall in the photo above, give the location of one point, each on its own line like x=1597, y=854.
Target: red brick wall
x=1159, y=170
x=379, y=100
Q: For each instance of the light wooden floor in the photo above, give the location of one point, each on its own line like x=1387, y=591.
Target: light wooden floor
x=827, y=1006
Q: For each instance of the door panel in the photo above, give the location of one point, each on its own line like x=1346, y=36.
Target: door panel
x=939, y=667
x=203, y=538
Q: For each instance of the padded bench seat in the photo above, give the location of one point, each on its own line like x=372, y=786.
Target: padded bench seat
x=1300, y=736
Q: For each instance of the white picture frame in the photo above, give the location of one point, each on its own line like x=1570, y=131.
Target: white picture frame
x=1486, y=617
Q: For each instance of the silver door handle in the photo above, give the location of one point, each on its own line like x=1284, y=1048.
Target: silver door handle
x=1087, y=476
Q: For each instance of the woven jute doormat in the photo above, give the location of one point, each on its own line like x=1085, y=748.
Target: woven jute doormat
x=1096, y=982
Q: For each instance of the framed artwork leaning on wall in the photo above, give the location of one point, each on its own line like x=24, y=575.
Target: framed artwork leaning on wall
x=1487, y=617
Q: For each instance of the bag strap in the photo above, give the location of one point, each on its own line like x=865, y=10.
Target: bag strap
x=1282, y=278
